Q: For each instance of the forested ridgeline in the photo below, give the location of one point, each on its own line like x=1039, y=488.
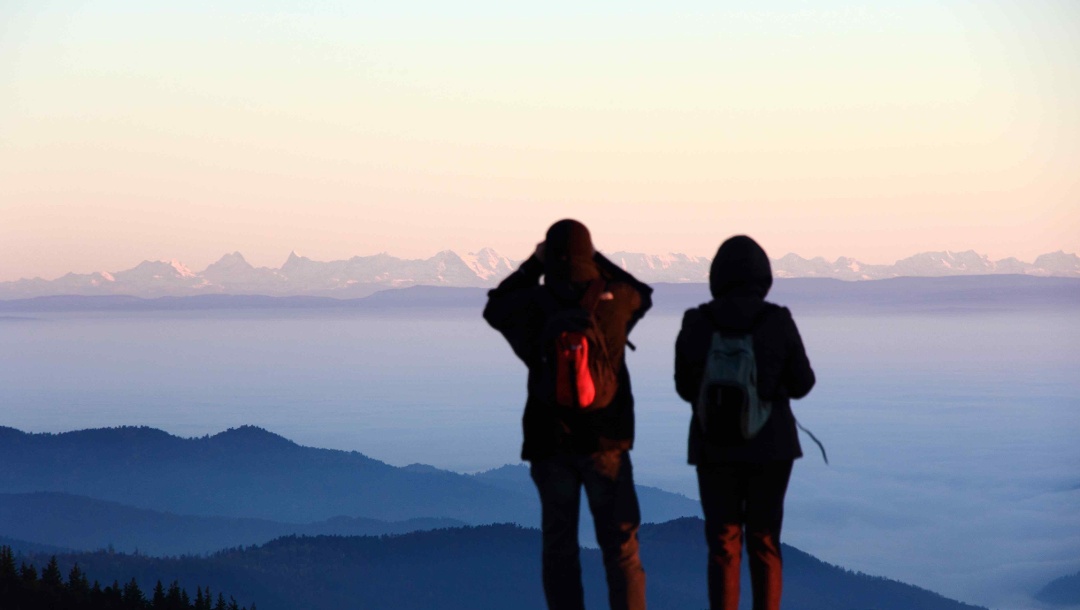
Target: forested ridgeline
x=23, y=588
x=491, y=567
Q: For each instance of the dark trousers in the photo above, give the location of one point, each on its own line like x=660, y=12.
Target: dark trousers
x=735, y=496
x=609, y=486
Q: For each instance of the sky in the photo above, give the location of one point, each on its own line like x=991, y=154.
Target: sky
x=133, y=130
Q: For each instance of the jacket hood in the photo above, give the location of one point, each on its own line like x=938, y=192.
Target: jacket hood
x=740, y=268
x=568, y=254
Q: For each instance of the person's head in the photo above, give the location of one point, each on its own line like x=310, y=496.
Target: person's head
x=568, y=253
x=741, y=267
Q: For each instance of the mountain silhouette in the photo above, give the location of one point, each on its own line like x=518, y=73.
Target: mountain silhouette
x=248, y=472
x=360, y=276
x=490, y=567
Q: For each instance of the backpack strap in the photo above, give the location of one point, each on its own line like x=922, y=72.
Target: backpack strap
x=593, y=295
x=589, y=301
x=813, y=438
x=758, y=317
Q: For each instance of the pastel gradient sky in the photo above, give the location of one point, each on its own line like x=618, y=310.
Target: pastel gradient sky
x=152, y=130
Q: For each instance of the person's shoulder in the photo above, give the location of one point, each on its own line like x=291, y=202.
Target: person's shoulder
x=772, y=309
x=778, y=315
x=696, y=316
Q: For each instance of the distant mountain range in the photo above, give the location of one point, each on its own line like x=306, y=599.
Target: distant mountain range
x=491, y=567
x=970, y=293
x=364, y=275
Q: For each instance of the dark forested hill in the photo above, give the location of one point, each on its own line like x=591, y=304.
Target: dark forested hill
x=479, y=568
x=1064, y=591
x=251, y=473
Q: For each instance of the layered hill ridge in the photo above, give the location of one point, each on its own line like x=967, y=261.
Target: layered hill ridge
x=55, y=520
x=248, y=472
x=139, y=487
x=480, y=568
x=363, y=275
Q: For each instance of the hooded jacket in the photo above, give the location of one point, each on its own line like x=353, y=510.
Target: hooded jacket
x=518, y=308
x=739, y=279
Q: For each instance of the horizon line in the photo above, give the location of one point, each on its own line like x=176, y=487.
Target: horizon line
x=293, y=253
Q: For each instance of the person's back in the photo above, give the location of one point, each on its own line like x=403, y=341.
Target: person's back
x=743, y=481
x=572, y=447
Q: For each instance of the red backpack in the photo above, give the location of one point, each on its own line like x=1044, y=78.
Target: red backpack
x=581, y=375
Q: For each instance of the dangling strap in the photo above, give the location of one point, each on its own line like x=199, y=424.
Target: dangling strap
x=814, y=438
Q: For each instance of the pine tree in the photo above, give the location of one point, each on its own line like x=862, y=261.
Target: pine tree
x=28, y=574
x=220, y=605
x=77, y=583
x=9, y=576
x=199, y=599
x=51, y=578
x=158, y=601
x=8, y=573
x=111, y=597
x=172, y=598
x=133, y=596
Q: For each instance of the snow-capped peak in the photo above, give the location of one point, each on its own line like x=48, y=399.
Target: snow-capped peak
x=181, y=269
x=487, y=263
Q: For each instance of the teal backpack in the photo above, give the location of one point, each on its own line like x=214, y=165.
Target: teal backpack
x=728, y=402
x=728, y=398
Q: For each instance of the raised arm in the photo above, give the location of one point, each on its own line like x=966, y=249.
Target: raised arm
x=613, y=272
x=511, y=308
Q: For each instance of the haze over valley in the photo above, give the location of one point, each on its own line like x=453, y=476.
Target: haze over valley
x=948, y=406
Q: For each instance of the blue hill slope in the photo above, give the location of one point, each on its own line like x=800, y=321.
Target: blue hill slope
x=248, y=472
x=77, y=522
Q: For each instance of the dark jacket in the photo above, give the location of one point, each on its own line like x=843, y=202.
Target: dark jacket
x=517, y=309
x=739, y=280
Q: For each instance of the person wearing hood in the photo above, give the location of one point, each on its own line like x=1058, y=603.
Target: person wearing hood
x=573, y=448
x=742, y=482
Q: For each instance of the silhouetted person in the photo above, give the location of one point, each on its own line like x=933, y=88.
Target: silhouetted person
x=743, y=482
x=568, y=447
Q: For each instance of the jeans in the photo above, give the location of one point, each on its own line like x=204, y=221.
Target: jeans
x=609, y=487
x=737, y=495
